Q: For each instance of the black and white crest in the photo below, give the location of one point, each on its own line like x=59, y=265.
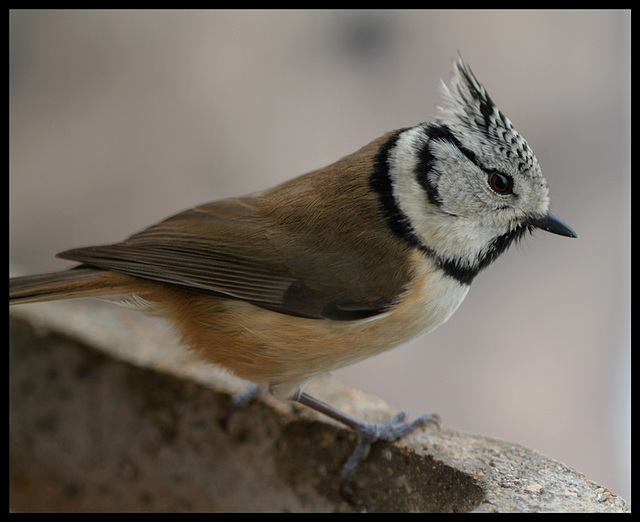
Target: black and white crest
x=470, y=110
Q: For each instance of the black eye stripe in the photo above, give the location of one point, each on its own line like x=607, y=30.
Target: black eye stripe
x=443, y=133
x=438, y=132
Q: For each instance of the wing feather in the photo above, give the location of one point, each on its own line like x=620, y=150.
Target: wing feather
x=225, y=248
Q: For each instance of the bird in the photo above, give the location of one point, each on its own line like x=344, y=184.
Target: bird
x=337, y=265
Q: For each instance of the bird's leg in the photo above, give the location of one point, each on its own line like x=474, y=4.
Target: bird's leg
x=368, y=432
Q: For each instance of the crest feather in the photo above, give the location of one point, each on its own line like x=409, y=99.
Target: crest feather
x=470, y=110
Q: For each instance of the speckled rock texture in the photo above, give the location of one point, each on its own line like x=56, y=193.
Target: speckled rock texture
x=108, y=414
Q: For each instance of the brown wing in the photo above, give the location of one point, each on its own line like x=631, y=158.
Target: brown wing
x=316, y=246
x=227, y=248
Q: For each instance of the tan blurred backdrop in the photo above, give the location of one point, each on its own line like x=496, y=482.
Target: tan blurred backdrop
x=118, y=119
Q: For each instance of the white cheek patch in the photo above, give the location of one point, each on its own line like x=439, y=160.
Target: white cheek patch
x=450, y=236
x=407, y=192
x=459, y=183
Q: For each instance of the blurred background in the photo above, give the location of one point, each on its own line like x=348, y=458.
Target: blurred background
x=121, y=118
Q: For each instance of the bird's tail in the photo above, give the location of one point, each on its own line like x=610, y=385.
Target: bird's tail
x=68, y=284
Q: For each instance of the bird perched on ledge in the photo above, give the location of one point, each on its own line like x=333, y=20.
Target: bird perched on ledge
x=334, y=266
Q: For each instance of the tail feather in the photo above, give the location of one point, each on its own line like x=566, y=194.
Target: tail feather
x=77, y=282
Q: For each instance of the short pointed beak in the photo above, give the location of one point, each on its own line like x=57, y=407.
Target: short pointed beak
x=552, y=224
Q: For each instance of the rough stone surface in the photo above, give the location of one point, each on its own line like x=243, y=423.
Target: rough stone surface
x=107, y=414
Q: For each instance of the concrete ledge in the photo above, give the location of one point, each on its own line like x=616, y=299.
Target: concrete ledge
x=106, y=414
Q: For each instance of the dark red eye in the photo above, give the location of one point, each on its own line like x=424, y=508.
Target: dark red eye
x=500, y=183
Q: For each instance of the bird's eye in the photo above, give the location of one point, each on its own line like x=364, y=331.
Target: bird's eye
x=500, y=183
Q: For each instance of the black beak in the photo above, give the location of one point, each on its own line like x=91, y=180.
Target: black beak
x=552, y=224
